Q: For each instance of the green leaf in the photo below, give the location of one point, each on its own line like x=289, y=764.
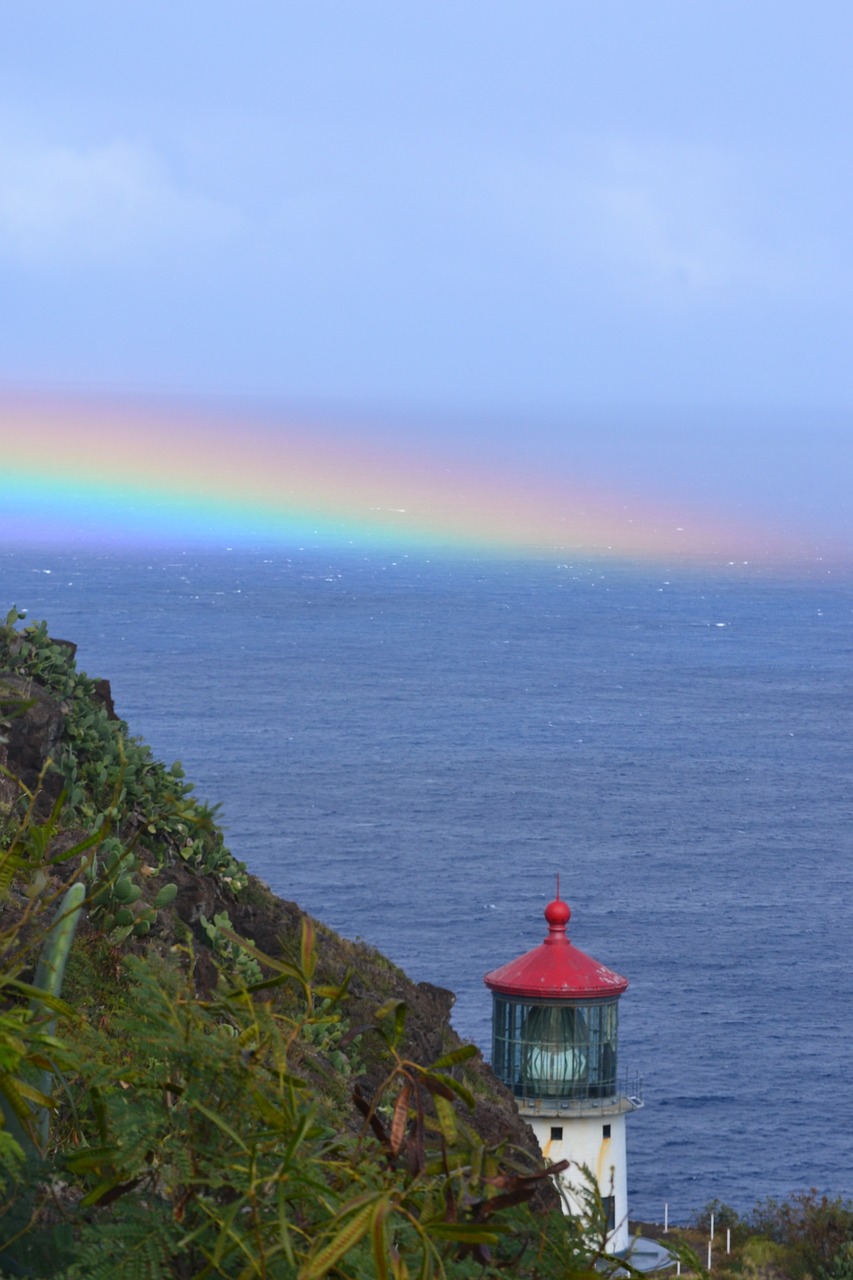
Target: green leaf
x=92, y=1158
x=448, y=1082
x=389, y=1007
x=463, y=1054
x=265, y=984
x=17, y=1094
x=34, y=1095
x=307, y=949
x=113, y=1188
x=95, y=838
x=166, y=896
x=57, y=944
x=397, y=1008
x=126, y=891
x=283, y=1224
x=299, y=1134
x=278, y=966
x=465, y=1232
x=53, y=1003
x=222, y=1124
x=379, y=1238
x=353, y=1230
x=446, y=1119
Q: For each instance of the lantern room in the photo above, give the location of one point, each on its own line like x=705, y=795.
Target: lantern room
x=555, y=1019
x=555, y=1046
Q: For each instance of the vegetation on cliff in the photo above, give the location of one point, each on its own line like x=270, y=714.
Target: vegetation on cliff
x=808, y=1236
x=198, y=1080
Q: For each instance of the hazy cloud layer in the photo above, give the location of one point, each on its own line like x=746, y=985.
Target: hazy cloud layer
x=104, y=202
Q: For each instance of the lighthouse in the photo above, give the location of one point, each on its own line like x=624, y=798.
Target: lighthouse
x=555, y=1045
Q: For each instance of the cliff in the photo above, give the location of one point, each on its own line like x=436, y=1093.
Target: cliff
x=31, y=753
x=319, y=1041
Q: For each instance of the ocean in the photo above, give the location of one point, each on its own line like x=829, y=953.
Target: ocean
x=414, y=748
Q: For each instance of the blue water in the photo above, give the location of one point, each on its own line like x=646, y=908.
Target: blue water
x=413, y=750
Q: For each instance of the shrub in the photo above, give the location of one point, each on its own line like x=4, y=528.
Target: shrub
x=814, y=1229
x=193, y=1148
x=725, y=1217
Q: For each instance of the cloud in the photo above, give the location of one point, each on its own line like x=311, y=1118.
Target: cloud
x=678, y=217
x=655, y=221
x=65, y=204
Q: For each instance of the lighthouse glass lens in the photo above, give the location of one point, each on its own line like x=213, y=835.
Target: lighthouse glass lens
x=555, y=1051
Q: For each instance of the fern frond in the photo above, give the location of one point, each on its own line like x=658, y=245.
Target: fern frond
x=139, y=1246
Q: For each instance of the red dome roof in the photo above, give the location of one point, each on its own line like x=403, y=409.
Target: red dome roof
x=555, y=970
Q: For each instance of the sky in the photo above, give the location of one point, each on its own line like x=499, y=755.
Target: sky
x=605, y=241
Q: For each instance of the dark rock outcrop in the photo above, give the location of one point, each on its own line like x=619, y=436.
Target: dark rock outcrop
x=103, y=696
x=31, y=722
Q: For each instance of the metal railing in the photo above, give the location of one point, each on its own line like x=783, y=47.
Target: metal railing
x=628, y=1089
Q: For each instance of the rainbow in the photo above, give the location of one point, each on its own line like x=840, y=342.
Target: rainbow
x=92, y=471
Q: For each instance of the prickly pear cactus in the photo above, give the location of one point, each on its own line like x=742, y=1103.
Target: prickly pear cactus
x=116, y=899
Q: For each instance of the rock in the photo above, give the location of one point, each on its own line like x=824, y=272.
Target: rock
x=32, y=723
x=103, y=697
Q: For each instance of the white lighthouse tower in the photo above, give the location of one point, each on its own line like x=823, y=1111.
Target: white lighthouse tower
x=554, y=1044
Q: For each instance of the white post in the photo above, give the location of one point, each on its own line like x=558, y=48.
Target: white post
x=728, y=1239
x=712, y=1226
x=665, y=1216
x=709, y=1255
x=678, y=1272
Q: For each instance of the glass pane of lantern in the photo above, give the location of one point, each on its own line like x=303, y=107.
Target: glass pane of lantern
x=554, y=1050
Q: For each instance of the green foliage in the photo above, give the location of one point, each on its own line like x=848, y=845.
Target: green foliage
x=841, y=1266
x=116, y=897
x=47, y=983
x=232, y=952
x=29, y=1051
x=27, y=1041
x=814, y=1231
x=23, y=843
x=195, y=1146
x=725, y=1217
x=139, y=1244
x=109, y=777
x=26, y=842
x=763, y=1259
x=331, y=1035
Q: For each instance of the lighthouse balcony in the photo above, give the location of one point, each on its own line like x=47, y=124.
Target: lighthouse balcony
x=626, y=1096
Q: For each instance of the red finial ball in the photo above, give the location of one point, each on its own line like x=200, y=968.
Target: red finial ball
x=557, y=913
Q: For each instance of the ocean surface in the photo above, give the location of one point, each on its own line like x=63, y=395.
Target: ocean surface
x=413, y=749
